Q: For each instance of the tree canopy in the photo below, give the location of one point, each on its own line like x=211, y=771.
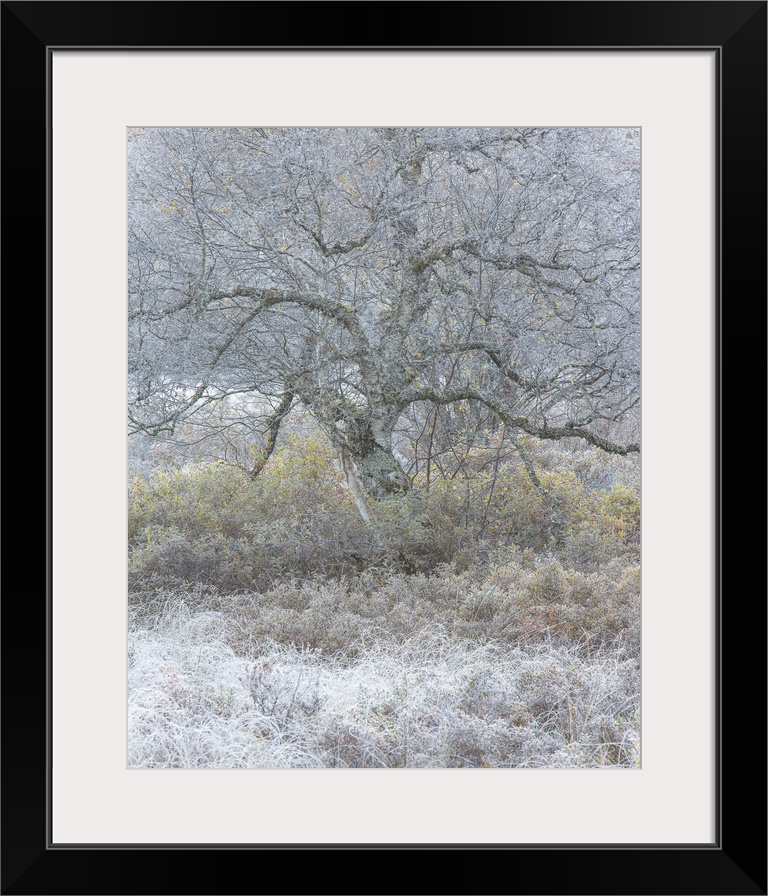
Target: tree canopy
x=373, y=275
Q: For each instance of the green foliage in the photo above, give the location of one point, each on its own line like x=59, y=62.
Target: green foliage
x=622, y=505
x=211, y=524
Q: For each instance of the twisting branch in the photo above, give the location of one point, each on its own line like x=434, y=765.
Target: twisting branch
x=555, y=519
x=529, y=468
x=338, y=311
x=273, y=428
x=493, y=402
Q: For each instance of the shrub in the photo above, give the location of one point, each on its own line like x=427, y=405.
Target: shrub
x=476, y=624
x=212, y=524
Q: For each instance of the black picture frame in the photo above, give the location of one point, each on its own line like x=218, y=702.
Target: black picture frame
x=736, y=862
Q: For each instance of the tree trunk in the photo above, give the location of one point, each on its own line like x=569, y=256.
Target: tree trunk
x=365, y=445
x=368, y=439
x=357, y=487
x=380, y=472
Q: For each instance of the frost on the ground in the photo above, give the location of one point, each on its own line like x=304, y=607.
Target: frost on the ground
x=430, y=700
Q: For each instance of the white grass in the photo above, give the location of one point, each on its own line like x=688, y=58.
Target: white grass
x=430, y=701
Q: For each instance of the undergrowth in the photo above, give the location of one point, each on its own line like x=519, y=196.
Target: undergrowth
x=425, y=701
x=474, y=623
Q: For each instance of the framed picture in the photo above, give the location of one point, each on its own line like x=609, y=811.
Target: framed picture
x=690, y=79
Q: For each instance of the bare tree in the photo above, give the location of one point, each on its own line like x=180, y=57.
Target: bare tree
x=372, y=275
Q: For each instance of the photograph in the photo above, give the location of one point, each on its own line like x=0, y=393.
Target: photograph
x=384, y=447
